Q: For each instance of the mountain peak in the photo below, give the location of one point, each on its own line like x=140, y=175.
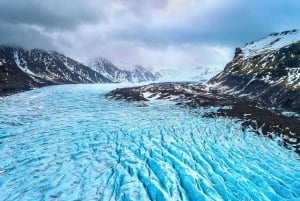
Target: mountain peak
x=115, y=73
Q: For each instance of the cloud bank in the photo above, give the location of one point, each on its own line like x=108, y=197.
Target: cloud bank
x=158, y=33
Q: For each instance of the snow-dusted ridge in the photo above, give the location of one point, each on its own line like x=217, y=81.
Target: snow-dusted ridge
x=273, y=41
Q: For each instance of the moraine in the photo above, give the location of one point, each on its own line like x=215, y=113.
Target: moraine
x=71, y=143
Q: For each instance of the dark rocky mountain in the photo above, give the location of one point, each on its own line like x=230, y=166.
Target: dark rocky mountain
x=267, y=71
x=118, y=74
x=26, y=69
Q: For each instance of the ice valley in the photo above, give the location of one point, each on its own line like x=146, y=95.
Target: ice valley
x=71, y=143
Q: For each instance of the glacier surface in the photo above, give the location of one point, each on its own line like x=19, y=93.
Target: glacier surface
x=70, y=143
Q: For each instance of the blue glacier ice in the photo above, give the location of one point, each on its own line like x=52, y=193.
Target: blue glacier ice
x=71, y=143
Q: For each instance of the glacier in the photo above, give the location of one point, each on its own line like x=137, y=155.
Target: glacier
x=71, y=143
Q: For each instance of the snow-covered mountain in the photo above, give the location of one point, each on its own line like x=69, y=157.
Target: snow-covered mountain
x=121, y=74
x=22, y=69
x=143, y=74
x=267, y=70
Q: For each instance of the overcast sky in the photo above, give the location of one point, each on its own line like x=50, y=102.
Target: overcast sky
x=157, y=33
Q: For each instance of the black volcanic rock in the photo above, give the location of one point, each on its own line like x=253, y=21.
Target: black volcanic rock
x=193, y=95
x=129, y=94
x=238, y=51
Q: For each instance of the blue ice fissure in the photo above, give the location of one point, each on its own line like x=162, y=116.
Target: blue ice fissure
x=71, y=143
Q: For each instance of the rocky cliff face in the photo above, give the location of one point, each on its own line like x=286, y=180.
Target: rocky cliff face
x=267, y=71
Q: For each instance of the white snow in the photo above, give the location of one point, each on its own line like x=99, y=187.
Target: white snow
x=147, y=94
x=22, y=64
x=68, y=65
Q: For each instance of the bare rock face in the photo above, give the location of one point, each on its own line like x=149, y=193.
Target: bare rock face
x=238, y=51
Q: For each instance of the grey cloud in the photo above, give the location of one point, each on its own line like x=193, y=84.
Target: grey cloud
x=54, y=14
x=233, y=23
x=24, y=36
x=142, y=8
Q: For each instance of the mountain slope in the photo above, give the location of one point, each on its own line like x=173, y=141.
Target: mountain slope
x=118, y=74
x=142, y=74
x=26, y=69
x=108, y=69
x=267, y=71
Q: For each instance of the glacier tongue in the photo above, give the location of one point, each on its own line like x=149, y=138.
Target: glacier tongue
x=68, y=144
